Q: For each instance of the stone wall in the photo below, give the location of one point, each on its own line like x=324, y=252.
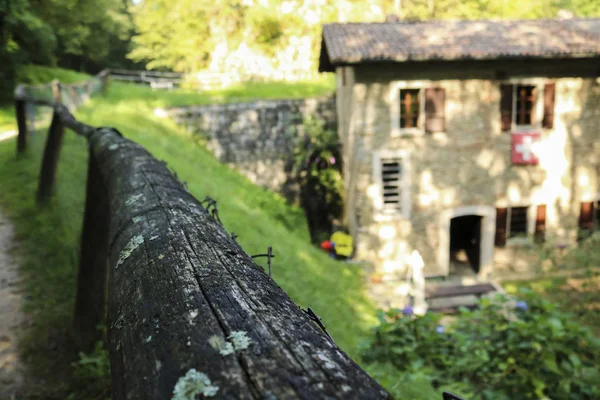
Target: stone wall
x=258, y=137
x=468, y=167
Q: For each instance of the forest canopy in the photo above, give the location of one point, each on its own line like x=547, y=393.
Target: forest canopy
x=269, y=39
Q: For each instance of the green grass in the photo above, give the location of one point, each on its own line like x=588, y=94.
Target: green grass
x=33, y=74
x=49, y=238
x=240, y=92
x=260, y=218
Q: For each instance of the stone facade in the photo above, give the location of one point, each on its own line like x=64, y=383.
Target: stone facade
x=257, y=138
x=467, y=169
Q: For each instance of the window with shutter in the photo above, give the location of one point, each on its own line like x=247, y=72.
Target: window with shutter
x=513, y=223
x=586, y=216
x=520, y=106
x=392, y=177
x=540, y=223
x=435, y=115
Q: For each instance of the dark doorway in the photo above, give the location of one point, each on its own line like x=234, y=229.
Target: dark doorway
x=465, y=244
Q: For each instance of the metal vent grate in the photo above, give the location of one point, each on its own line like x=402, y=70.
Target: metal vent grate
x=391, y=177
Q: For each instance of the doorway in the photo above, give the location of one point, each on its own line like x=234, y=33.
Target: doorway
x=479, y=226
x=465, y=245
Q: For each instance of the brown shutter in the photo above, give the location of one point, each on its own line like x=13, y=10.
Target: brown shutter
x=586, y=216
x=540, y=223
x=435, y=105
x=549, y=94
x=501, y=219
x=506, y=106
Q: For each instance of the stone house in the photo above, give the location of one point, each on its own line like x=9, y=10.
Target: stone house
x=468, y=141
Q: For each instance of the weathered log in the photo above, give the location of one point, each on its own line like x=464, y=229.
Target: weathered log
x=181, y=290
x=90, y=302
x=50, y=160
x=21, y=113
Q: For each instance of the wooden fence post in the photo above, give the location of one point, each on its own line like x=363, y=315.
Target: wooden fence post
x=21, y=111
x=74, y=96
x=50, y=160
x=105, y=77
x=56, y=91
x=90, y=303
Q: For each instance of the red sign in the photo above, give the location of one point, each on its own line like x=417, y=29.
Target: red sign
x=524, y=148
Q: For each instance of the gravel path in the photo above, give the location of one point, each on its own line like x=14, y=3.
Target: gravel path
x=11, y=317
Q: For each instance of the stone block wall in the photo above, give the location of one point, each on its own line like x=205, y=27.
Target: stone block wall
x=257, y=138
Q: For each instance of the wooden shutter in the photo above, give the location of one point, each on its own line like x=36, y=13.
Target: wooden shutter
x=540, y=223
x=435, y=107
x=506, y=107
x=549, y=94
x=501, y=219
x=586, y=216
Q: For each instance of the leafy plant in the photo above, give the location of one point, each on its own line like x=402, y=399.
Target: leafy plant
x=318, y=166
x=91, y=374
x=503, y=350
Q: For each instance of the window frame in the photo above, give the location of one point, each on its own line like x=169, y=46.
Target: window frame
x=405, y=185
x=538, y=113
x=396, y=107
x=528, y=239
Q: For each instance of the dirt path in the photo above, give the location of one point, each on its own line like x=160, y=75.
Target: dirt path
x=11, y=317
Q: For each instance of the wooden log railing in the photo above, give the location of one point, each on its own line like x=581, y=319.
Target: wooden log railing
x=189, y=313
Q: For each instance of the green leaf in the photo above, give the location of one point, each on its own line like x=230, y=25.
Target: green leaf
x=550, y=363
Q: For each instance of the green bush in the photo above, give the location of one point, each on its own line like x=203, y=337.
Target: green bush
x=505, y=349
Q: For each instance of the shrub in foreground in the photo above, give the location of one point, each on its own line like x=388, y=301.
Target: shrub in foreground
x=505, y=349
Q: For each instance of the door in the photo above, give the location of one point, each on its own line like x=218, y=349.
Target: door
x=465, y=244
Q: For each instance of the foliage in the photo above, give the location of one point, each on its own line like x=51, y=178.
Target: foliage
x=91, y=375
x=284, y=35
x=503, y=350
x=556, y=255
x=318, y=166
x=86, y=35
x=578, y=294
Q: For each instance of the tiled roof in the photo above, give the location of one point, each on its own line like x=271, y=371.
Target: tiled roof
x=352, y=43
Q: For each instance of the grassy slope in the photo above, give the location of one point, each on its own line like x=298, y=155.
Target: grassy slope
x=333, y=289
x=48, y=239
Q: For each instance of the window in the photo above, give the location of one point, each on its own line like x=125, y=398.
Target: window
x=589, y=217
x=525, y=104
x=410, y=108
x=416, y=110
x=514, y=222
x=391, y=175
x=519, y=105
x=517, y=218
